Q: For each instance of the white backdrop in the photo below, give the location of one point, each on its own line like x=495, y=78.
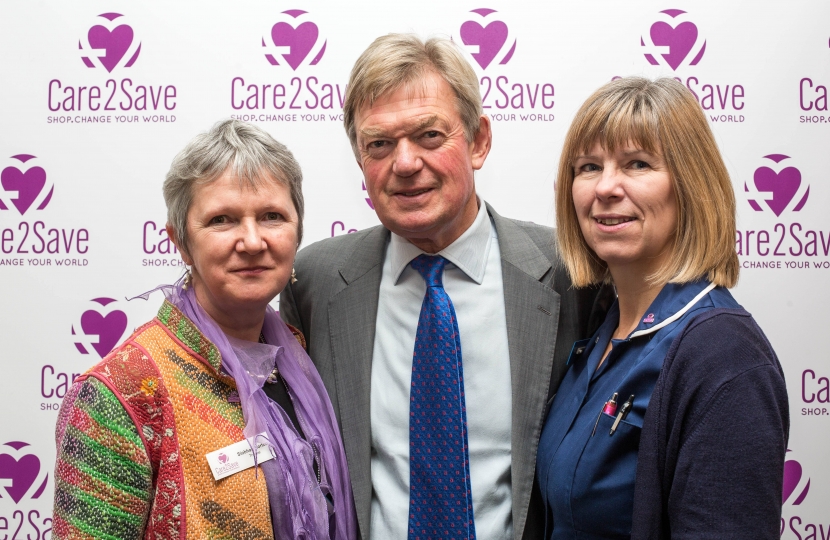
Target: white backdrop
x=98, y=96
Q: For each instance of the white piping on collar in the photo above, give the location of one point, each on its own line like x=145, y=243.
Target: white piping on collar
x=676, y=316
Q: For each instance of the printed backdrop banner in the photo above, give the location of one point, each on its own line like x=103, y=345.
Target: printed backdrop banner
x=98, y=96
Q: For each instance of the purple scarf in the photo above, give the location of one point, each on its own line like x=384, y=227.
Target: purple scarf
x=299, y=508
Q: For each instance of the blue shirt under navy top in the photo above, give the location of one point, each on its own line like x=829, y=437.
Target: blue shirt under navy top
x=585, y=473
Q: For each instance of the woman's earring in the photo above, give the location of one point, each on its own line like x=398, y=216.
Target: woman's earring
x=293, y=276
x=188, y=279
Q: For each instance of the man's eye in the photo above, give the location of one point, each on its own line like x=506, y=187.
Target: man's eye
x=377, y=144
x=273, y=216
x=218, y=220
x=432, y=139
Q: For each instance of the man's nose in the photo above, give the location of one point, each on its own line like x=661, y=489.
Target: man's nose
x=407, y=158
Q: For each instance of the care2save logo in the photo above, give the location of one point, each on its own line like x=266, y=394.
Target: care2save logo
x=24, y=185
x=486, y=37
x=20, y=472
x=812, y=94
x=99, y=328
x=26, y=237
x=108, y=42
x=158, y=249
x=23, y=480
x=674, y=41
x=794, y=478
x=290, y=44
x=780, y=190
x=293, y=43
x=795, y=490
x=776, y=185
x=106, y=92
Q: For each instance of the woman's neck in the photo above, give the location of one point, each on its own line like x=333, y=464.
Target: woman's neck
x=245, y=332
x=634, y=295
x=245, y=325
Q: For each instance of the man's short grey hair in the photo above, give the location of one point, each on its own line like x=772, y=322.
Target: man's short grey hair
x=396, y=60
x=249, y=152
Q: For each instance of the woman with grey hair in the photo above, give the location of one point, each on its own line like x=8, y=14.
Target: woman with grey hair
x=210, y=421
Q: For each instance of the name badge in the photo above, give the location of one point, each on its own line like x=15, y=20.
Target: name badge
x=238, y=456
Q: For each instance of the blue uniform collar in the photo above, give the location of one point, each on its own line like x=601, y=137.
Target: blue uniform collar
x=673, y=301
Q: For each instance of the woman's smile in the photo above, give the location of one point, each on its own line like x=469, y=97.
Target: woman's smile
x=626, y=207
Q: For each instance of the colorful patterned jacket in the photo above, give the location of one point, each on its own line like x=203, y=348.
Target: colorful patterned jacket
x=132, y=435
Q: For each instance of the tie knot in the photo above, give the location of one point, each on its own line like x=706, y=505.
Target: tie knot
x=430, y=267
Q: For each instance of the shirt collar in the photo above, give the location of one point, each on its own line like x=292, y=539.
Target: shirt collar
x=469, y=252
x=673, y=301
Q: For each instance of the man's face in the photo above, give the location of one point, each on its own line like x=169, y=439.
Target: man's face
x=417, y=163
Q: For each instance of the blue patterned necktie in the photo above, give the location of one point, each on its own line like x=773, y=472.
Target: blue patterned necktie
x=440, y=500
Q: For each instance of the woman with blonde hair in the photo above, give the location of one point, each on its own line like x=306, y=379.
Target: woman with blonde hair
x=672, y=420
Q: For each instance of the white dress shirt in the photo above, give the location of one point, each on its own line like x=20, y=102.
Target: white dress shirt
x=473, y=280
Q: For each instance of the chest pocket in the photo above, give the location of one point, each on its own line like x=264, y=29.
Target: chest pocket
x=603, y=483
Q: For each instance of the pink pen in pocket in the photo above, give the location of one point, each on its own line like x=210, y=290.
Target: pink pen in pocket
x=609, y=408
x=611, y=405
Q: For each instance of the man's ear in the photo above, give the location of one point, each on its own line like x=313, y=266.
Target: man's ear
x=173, y=238
x=480, y=147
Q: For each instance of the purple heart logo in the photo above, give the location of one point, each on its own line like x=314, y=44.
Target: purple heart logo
x=109, y=329
x=792, y=475
x=115, y=43
x=28, y=185
x=300, y=40
x=223, y=458
x=22, y=473
x=783, y=185
x=489, y=39
x=680, y=40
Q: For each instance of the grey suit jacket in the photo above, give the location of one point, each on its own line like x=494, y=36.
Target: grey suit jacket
x=334, y=303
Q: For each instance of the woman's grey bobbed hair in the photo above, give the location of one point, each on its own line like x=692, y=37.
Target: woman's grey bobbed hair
x=244, y=149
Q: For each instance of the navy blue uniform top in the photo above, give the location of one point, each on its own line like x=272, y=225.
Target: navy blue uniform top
x=586, y=474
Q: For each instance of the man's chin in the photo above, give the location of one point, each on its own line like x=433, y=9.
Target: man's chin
x=411, y=229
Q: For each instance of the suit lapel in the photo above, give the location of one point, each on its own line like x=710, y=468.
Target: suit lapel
x=532, y=313
x=352, y=314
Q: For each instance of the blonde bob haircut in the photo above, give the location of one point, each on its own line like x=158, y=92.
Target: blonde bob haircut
x=661, y=117
x=397, y=60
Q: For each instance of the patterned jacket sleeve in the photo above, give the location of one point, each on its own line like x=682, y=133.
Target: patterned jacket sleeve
x=103, y=475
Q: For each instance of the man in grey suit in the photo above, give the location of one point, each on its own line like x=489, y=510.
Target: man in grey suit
x=414, y=118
